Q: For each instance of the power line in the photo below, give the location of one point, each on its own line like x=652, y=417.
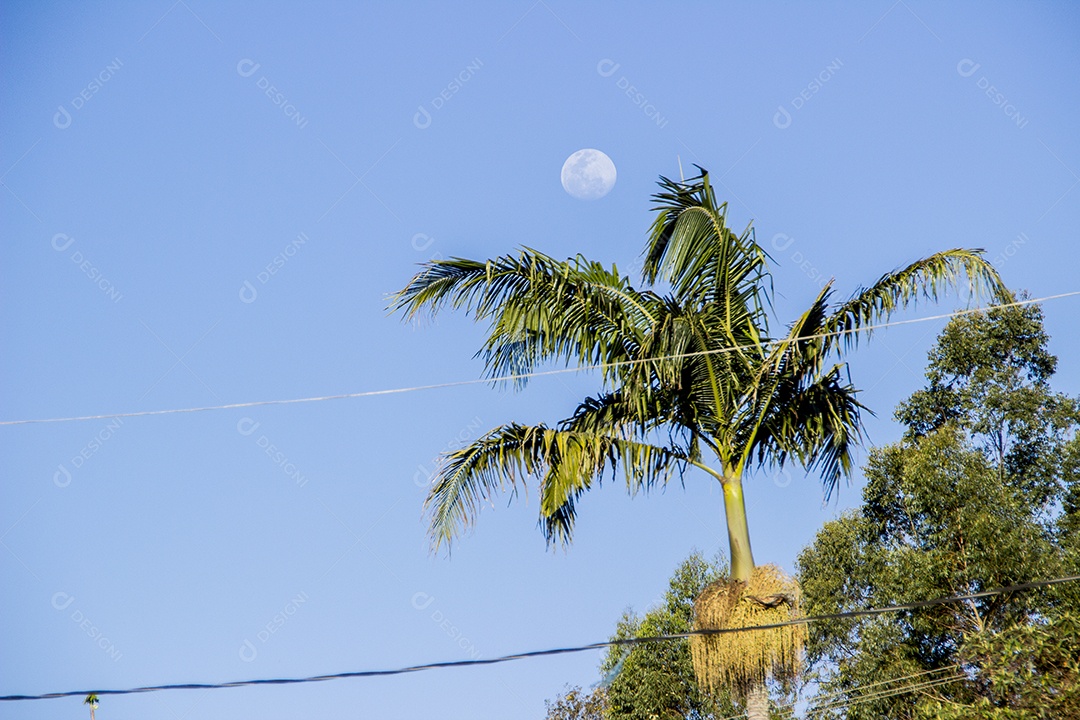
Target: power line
x=525, y=376
x=847, y=697
x=554, y=651
x=887, y=693
x=836, y=697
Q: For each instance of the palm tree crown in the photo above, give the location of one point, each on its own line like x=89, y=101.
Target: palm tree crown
x=691, y=375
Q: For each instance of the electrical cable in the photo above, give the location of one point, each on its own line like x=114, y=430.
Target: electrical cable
x=844, y=698
x=838, y=697
x=554, y=651
x=525, y=376
x=885, y=693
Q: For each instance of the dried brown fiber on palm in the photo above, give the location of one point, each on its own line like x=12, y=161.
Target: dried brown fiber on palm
x=744, y=659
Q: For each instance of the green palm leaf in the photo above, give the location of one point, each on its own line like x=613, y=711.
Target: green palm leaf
x=691, y=247
x=926, y=278
x=565, y=462
x=539, y=308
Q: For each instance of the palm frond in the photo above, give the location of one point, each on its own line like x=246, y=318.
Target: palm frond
x=691, y=247
x=802, y=352
x=539, y=308
x=642, y=416
x=825, y=427
x=618, y=413
x=565, y=462
x=816, y=424
x=797, y=409
x=689, y=356
x=576, y=459
x=672, y=200
x=926, y=278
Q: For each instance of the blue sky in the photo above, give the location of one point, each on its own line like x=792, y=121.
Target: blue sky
x=208, y=203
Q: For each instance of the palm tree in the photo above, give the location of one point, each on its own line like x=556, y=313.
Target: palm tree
x=691, y=376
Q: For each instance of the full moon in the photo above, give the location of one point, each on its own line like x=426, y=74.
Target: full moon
x=588, y=174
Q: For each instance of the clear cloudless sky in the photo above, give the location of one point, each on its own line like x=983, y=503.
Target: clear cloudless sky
x=208, y=203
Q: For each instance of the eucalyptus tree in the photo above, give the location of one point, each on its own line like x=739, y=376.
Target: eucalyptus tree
x=980, y=493
x=691, y=374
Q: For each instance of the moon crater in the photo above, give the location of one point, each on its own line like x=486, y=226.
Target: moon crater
x=588, y=174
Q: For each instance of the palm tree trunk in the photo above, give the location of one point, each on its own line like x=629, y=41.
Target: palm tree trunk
x=757, y=703
x=742, y=559
x=742, y=566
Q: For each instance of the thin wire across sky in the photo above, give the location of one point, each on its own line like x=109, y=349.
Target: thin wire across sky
x=553, y=651
x=524, y=376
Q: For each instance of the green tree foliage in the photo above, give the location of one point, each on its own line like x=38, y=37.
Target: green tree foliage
x=577, y=704
x=1027, y=672
x=980, y=493
x=654, y=681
